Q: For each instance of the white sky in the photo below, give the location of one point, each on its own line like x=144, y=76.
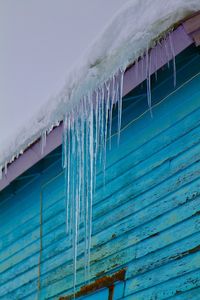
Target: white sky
x=39, y=41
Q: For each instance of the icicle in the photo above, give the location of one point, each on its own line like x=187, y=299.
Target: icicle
x=98, y=118
x=136, y=69
x=107, y=104
x=6, y=168
x=173, y=57
x=74, y=243
x=78, y=171
x=64, y=144
x=166, y=51
x=142, y=69
x=91, y=156
x=156, y=62
x=87, y=194
x=64, y=165
x=96, y=138
x=82, y=141
x=73, y=222
x=148, y=77
x=67, y=172
x=121, y=79
x=43, y=142
x=1, y=172
x=72, y=180
x=76, y=197
x=111, y=109
x=101, y=123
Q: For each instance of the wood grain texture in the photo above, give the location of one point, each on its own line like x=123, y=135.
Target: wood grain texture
x=145, y=218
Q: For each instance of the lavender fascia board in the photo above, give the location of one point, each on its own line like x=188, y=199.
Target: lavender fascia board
x=159, y=56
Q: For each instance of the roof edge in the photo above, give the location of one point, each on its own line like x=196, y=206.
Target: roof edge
x=183, y=36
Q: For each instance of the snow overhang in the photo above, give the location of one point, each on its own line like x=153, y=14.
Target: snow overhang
x=186, y=33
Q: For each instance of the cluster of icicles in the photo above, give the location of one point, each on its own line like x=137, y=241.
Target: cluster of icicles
x=86, y=130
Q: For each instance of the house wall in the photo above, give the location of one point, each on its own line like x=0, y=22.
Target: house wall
x=146, y=218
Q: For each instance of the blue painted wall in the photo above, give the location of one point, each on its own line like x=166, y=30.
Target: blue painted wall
x=146, y=218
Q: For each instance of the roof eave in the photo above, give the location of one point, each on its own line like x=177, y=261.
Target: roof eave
x=187, y=33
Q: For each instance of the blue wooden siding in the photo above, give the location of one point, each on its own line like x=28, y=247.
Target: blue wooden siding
x=146, y=218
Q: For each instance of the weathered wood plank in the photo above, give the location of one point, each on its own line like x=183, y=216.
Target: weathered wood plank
x=185, y=295
x=125, y=226
x=50, y=228
x=169, y=289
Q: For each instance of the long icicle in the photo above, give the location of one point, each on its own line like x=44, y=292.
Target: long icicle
x=64, y=164
x=121, y=80
x=148, y=77
x=91, y=156
x=87, y=195
x=82, y=120
x=68, y=149
x=111, y=109
x=1, y=172
x=96, y=146
x=173, y=57
x=107, y=105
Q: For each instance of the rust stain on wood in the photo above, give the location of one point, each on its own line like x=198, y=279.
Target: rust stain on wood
x=190, y=251
x=111, y=292
x=194, y=250
x=104, y=282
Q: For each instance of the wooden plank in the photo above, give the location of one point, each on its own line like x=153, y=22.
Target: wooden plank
x=169, y=289
x=187, y=142
x=185, y=295
x=171, y=270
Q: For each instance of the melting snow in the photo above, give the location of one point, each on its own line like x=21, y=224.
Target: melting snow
x=132, y=30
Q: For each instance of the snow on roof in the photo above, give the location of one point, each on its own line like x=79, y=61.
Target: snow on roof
x=131, y=31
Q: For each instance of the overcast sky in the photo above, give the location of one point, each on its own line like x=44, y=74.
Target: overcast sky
x=39, y=41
